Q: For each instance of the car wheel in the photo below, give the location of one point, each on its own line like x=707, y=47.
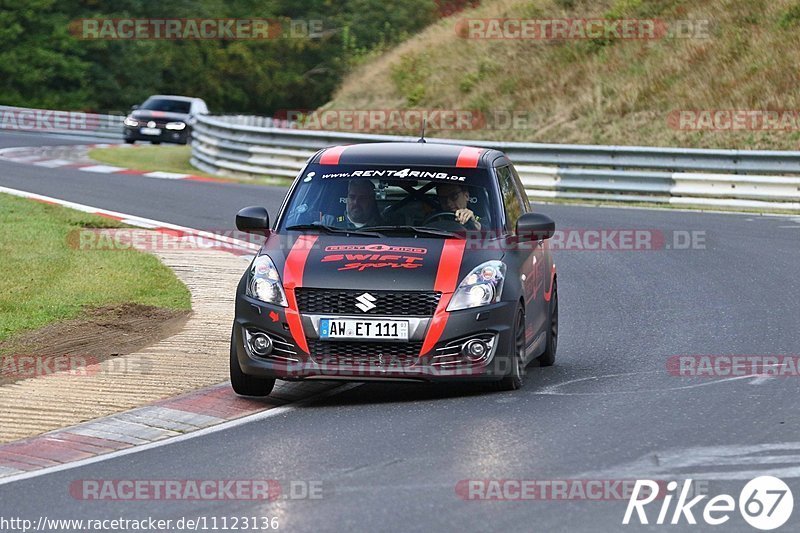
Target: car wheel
x=548, y=358
x=243, y=384
x=513, y=380
x=155, y=142
x=130, y=141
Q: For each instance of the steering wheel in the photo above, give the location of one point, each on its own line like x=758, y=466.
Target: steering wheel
x=440, y=214
x=390, y=209
x=469, y=224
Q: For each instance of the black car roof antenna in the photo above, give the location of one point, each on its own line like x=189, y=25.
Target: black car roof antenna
x=422, y=135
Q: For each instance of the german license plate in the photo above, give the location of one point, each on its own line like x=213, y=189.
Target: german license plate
x=151, y=131
x=345, y=328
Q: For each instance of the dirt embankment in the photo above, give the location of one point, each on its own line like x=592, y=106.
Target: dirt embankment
x=103, y=333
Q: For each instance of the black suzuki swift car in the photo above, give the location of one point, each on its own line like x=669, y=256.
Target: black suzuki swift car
x=399, y=262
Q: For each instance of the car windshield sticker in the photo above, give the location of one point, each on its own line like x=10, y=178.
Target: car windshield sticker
x=391, y=173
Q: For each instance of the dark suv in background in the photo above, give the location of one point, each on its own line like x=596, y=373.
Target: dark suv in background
x=163, y=118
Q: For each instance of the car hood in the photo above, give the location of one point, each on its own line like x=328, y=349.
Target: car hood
x=364, y=263
x=146, y=114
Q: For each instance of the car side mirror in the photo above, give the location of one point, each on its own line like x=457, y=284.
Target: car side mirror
x=535, y=227
x=253, y=220
x=134, y=107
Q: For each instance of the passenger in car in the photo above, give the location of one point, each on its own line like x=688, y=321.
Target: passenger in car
x=362, y=209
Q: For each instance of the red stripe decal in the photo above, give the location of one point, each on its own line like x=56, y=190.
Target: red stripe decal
x=549, y=293
x=446, y=281
x=331, y=155
x=468, y=158
x=293, y=278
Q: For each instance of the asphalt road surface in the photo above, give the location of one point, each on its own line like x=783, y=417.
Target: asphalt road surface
x=394, y=457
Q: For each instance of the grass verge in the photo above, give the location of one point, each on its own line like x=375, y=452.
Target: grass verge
x=167, y=159
x=46, y=280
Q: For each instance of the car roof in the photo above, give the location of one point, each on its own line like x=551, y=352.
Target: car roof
x=408, y=153
x=173, y=97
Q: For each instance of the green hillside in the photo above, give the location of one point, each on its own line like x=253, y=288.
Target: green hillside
x=601, y=90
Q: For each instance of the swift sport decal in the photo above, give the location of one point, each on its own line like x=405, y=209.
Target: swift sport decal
x=369, y=257
x=374, y=248
x=361, y=262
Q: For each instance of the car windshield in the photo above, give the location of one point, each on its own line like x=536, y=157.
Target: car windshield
x=393, y=199
x=167, y=105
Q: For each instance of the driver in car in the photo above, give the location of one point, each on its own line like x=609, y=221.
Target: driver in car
x=455, y=197
x=362, y=209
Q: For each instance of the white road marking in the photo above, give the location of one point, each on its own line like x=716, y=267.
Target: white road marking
x=102, y=169
x=553, y=390
x=24, y=158
x=134, y=220
x=263, y=415
x=703, y=462
x=166, y=175
x=53, y=163
x=138, y=223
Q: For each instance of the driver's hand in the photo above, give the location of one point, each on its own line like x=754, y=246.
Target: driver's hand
x=463, y=215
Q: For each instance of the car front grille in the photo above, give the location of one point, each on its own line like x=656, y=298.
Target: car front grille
x=343, y=302
x=365, y=354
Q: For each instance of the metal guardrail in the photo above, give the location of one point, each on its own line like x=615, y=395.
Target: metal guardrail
x=27, y=119
x=766, y=180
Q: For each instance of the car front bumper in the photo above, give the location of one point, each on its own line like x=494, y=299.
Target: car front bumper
x=491, y=323
x=166, y=136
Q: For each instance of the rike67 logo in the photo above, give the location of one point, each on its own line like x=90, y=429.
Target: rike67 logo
x=765, y=503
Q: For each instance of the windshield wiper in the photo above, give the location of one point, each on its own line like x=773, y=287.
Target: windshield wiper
x=416, y=229
x=331, y=229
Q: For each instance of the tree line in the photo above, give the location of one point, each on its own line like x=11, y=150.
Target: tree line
x=48, y=59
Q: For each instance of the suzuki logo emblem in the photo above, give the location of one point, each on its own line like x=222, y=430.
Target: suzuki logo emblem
x=365, y=302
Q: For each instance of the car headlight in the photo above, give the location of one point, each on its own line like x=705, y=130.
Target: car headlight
x=482, y=286
x=175, y=125
x=130, y=121
x=265, y=282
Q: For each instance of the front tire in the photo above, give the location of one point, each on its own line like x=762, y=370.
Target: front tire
x=243, y=384
x=513, y=381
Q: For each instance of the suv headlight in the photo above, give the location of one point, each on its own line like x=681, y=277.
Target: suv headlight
x=265, y=282
x=482, y=286
x=175, y=125
x=130, y=121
